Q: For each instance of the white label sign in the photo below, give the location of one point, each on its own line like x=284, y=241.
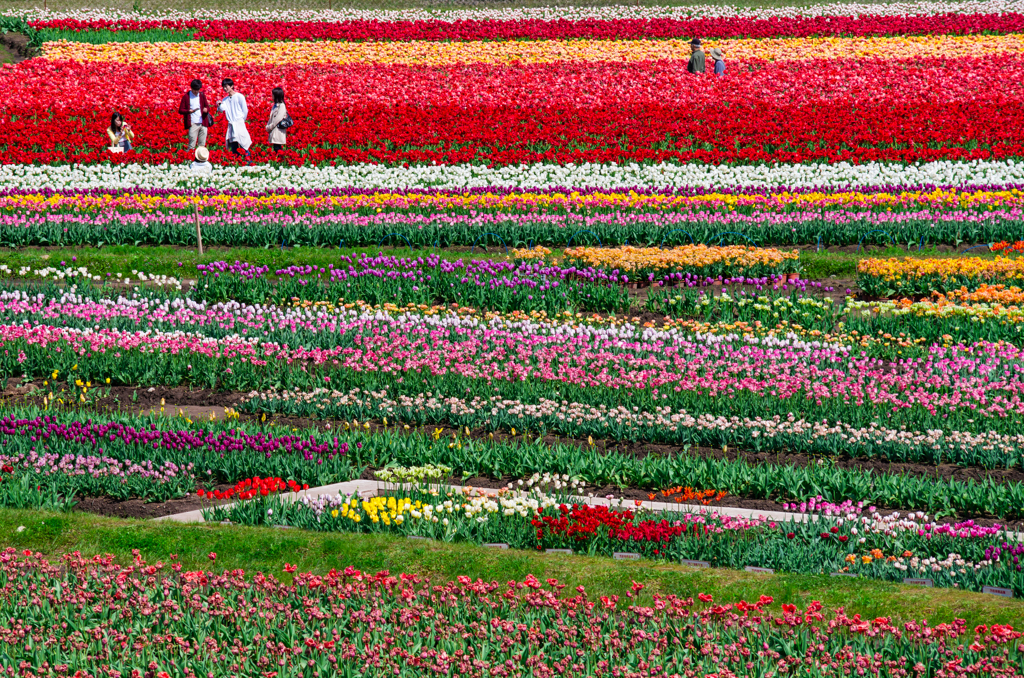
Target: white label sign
x=998, y=591
x=919, y=582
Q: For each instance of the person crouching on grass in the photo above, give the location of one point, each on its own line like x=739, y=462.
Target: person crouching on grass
x=236, y=111
x=120, y=134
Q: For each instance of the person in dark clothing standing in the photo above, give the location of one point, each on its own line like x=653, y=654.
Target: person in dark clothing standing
x=195, y=112
x=696, y=64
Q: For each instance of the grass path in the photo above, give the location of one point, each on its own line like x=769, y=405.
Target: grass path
x=268, y=550
x=165, y=259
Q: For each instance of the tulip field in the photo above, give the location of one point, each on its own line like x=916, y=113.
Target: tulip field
x=833, y=126
x=548, y=293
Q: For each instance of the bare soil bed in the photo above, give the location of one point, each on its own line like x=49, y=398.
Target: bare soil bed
x=138, y=508
x=14, y=47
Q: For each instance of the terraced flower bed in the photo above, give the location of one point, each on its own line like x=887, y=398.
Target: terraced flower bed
x=523, y=283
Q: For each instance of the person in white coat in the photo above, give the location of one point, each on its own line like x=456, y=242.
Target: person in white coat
x=236, y=111
x=277, y=136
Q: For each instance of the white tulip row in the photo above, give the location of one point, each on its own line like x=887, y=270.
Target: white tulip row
x=839, y=9
x=538, y=176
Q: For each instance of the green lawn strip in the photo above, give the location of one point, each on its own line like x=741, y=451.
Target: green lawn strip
x=164, y=259
x=102, y=37
x=268, y=550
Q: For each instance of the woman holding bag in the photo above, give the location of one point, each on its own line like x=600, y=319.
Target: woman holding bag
x=278, y=116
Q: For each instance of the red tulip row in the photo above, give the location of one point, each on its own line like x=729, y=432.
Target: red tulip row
x=252, y=487
x=843, y=131
x=563, y=29
x=158, y=620
x=782, y=112
x=39, y=85
x=785, y=112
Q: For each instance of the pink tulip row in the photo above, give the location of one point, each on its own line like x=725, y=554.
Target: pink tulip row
x=95, y=466
x=983, y=377
x=892, y=524
x=443, y=29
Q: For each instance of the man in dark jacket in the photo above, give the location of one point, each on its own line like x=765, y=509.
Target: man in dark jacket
x=195, y=112
x=696, y=64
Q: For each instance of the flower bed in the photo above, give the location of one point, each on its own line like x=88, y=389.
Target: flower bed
x=541, y=29
x=174, y=458
x=522, y=103
x=492, y=216
x=549, y=98
x=888, y=277
x=661, y=424
x=664, y=635
x=915, y=8
x=651, y=264
x=473, y=358
x=474, y=364
x=778, y=308
x=253, y=487
x=533, y=129
x=994, y=181
x=499, y=286
x=889, y=547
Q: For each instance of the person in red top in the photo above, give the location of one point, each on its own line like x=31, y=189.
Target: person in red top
x=195, y=112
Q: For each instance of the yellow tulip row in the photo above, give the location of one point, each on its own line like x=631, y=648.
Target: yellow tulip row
x=542, y=51
x=386, y=510
x=997, y=294
x=732, y=260
x=538, y=252
x=526, y=200
x=961, y=267
x=939, y=309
